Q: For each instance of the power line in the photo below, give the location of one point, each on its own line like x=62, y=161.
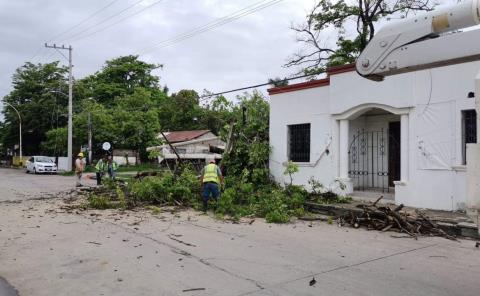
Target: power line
x=205, y=97
x=212, y=25
x=75, y=26
x=83, y=21
x=102, y=21
x=119, y=21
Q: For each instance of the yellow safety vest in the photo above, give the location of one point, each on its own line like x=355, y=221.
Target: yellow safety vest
x=210, y=174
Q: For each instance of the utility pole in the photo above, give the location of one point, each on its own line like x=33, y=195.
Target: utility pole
x=89, y=139
x=70, y=100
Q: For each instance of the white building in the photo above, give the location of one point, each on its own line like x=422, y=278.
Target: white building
x=192, y=145
x=404, y=137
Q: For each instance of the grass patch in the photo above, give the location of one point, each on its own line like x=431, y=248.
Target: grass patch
x=155, y=210
x=330, y=199
x=139, y=168
x=100, y=202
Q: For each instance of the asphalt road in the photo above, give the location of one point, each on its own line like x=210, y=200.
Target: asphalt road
x=15, y=184
x=47, y=250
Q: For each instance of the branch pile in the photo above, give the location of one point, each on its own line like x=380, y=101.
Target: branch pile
x=384, y=218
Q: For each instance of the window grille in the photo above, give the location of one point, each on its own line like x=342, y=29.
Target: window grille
x=299, y=142
x=469, y=128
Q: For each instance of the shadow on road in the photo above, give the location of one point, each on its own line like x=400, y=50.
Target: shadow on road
x=6, y=289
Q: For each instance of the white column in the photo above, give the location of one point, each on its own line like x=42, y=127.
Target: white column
x=404, y=147
x=343, y=149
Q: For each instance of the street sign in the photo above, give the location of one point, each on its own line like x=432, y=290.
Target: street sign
x=106, y=146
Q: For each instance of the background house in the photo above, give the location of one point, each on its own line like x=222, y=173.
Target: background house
x=125, y=156
x=404, y=138
x=196, y=146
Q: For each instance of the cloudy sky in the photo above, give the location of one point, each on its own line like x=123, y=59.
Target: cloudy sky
x=246, y=51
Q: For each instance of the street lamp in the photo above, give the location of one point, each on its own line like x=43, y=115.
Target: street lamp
x=20, y=125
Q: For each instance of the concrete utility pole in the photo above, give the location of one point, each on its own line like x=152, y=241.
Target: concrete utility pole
x=89, y=138
x=70, y=100
x=20, y=132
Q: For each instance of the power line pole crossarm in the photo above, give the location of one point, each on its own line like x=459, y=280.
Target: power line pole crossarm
x=70, y=101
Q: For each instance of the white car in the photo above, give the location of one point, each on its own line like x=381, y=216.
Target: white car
x=41, y=164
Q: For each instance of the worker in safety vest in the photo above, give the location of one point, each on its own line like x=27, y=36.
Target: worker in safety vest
x=211, y=180
x=100, y=169
x=112, y=167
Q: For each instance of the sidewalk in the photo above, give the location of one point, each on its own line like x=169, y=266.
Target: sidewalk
x=454, y=223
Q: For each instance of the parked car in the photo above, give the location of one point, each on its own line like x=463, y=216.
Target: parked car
x=41, y=164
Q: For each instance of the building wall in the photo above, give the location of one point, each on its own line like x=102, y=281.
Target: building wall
x=305, y=106
x=435, y=98
x=121, y=160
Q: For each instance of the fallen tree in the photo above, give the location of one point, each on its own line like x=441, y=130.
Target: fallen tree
x=384, y=218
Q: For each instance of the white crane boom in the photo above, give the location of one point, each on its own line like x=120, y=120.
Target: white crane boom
x=425, y=41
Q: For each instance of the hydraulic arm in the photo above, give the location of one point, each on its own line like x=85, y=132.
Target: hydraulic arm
x=427, y=40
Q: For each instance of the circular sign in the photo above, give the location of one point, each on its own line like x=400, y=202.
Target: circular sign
x=106, y=146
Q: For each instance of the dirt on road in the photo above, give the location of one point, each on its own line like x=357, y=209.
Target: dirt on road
x=47, y=248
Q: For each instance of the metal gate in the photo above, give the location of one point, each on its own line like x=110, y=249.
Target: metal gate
x=369, y=161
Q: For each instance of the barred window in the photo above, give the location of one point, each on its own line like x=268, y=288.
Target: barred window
x=469, y=130
x=299, y=142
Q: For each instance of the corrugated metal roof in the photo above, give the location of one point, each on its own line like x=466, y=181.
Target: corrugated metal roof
x=182, y=136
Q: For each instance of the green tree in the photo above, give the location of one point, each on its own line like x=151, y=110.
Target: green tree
x=119, y=77
x=41, y=109
x=137, y=124
x=104, y=127
x=216, y=115
x=251, y=150
x=55, y=142
x=181, y=111
x=330, y=19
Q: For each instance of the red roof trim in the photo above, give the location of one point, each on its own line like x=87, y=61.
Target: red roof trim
x=314, y=83
x=299, y=86
x=341, y=69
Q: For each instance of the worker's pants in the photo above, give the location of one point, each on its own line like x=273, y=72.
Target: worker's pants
x=210, y=188
x=99, y=178
x=112, y=174
x=79, y=178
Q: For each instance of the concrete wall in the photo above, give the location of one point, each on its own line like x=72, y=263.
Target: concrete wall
x=121, y=160
x=435, y=98
x=304, y=106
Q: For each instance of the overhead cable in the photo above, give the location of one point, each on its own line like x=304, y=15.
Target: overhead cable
x=118, y=21
x=74, y=27
x=83, y=21
x=212, y=25
x=205, y=97
x=103, y=21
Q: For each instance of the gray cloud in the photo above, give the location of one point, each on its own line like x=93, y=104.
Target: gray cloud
x=247, y=51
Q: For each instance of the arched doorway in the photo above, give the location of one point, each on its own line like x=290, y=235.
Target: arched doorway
x=374, y=152
x=372, y=147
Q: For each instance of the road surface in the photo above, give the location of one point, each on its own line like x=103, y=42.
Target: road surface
x=45, y=250
x=6, y=289
x=15, y=184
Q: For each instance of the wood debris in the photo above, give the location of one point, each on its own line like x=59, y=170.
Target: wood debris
x=384, y=218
